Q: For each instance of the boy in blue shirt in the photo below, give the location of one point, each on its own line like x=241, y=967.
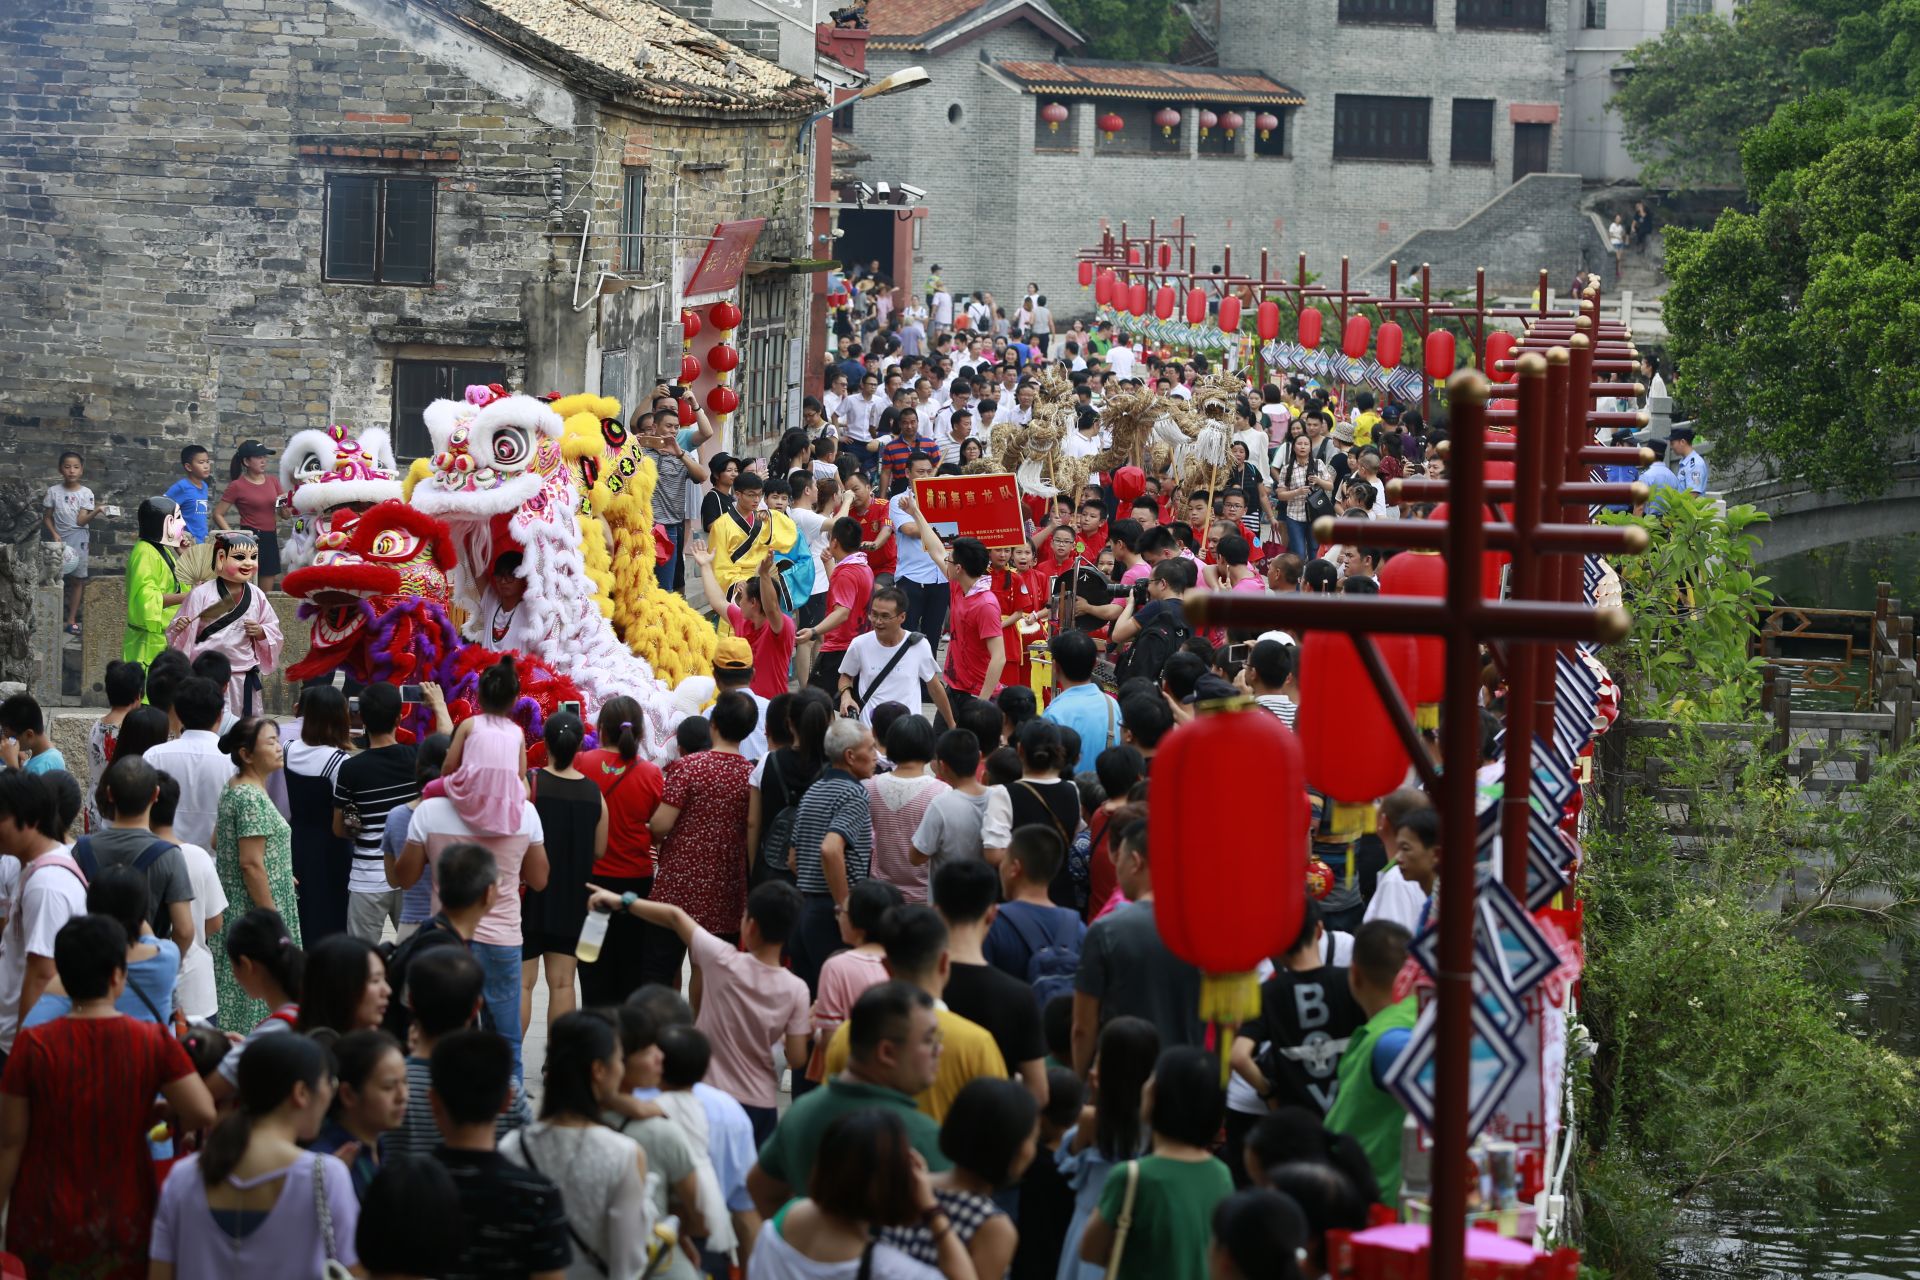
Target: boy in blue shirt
x=191, y=490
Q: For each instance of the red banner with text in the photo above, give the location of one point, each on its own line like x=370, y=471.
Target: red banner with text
x=986, y=507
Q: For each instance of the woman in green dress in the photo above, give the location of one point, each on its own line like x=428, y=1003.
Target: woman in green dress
x=153, y=587
x=253, y=852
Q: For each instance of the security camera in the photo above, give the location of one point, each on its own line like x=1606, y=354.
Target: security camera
x=883, y=193
x=912, y=193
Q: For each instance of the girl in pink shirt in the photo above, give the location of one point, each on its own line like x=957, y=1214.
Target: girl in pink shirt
x=847, y=974
x=485, y=775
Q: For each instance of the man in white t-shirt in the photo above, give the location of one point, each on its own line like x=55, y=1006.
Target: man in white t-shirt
x=1120, y=357
x=876, y=670
x=50, y=892
x=195, y=992
x=942, y=309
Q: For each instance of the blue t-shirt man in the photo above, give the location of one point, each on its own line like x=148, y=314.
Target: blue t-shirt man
x=1092, y=714
x=191, y=494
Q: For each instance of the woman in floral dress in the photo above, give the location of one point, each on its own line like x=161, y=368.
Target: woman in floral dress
x=253, y=852
x=700, y=833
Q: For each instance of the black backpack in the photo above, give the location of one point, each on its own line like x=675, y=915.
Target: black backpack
x=780, y=797
x=434, y=933
x=1157, y=642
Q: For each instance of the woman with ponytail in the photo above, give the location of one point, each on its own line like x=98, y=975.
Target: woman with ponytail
x=602, y=1175
x=251, y=1202
x=269, y=968
x=573, y=814
x=632, y=788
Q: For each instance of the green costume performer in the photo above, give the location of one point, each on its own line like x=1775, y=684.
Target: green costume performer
x=150, y=579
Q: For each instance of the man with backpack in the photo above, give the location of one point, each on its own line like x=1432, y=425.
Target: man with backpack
x=1033, y=939
x=468, y=880
x=1158, y=628
x=964, y=893
x=131, y=786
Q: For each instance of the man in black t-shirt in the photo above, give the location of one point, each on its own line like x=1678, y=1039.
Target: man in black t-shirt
x=516, y=1221
x=964, y=893
x=368, y=786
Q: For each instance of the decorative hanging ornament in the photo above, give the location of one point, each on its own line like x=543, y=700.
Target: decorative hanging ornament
x=1231, y=122
x=1103, y=288
x=1229, y=314
x=1168, y=119
x=1266, y=122
x=1207, y=121
x=1086, y=274
x=1226, y=897
x=1353, y=753
x=723, y=401
x=1422, y=574
x=1196, y=305
x=1387, y=346
x=1133, y=256
x=689, y=369
x=1500, y=345
x=723, y=358
x=1055, y=114
x=1439, y=355
x=1163, y=302
x=1111, y=124
x=1137, y=298
x=1267, y=320
x=1310, y=322
x=724, y=316
x=1129, y=483
x=684, y=406
x=690, y=324
x=1353, y=342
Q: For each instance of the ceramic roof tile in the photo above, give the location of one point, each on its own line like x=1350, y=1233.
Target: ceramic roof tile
x=1145, y=79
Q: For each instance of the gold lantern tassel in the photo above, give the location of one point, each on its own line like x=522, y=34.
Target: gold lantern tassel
x=1226, y=1001
x=1426, y=716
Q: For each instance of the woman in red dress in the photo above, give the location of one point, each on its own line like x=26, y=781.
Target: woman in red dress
x=1021, y=604
x=76, y=1101
x=700, y=834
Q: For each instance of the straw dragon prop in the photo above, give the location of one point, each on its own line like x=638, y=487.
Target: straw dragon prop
x=1035, y=452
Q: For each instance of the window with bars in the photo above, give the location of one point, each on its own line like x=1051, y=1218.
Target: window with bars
x=1379, y=128
x=418, y=383
x=763, y=361
x=1680, y=10
x=1596, y=15
x=378, y=230
x=1472, y=131
x=633, y=220
x=1407, y=12
x=1504, y=15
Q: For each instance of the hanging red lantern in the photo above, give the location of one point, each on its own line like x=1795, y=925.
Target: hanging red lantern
x=724, y=316
x=1137, y=298
x=690, y=324
x=689, y=369
x=1207, y=121
x=1266, y=122
x=1353, y=753
x=684, y=406
x=1231, y=122
x=1354, y=340
x=1500, y=345
x=723, y=358
x=1103, y=288
x=1166, y=256
x=1111, y=124
x=1168, y=119
x=1129, y=483
x=723, y=400
x=1163, y=302
x=1224, y=897
x=1266, y=320
x=1196, y=305
x=1422, y=574
x=1229, y=314
x=1439, y=354
x=1310, y=321
x=1388, y=344
x=1055, y=114
x=1133, y=255
x=1086, y=274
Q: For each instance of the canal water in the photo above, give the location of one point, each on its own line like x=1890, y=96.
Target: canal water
x=1870, y=1238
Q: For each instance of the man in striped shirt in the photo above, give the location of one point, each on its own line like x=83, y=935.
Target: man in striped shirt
x=832, y=845
x=1269, y=669
x=369, y=785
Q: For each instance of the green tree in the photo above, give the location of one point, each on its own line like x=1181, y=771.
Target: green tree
x=1701, y=86
x=1130, y=30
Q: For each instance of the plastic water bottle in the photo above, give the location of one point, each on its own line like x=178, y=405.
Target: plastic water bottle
x=593, y=932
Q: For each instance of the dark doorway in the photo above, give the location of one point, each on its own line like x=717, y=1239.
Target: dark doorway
x=1532, y=149
x=866, y=234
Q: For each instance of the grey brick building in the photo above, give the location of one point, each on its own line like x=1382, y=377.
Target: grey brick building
x=240, y=219
x=1391, y=118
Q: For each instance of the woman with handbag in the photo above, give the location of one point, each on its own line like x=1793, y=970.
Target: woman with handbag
x=1155, y=1212
x=252, y=1202
x=1296, y=480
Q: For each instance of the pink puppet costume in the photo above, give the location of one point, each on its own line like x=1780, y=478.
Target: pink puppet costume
x=229, y=615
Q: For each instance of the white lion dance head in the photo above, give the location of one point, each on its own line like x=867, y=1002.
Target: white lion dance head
x=323, y=471
x=497, y=478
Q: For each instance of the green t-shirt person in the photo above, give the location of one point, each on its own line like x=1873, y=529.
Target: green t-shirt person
x=1173, y=1207
x=1362, y=1108
x=788, y=1154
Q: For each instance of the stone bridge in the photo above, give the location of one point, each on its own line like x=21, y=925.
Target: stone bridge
x=1805, y=518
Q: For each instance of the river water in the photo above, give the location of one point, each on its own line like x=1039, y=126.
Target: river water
x=1866, y=1239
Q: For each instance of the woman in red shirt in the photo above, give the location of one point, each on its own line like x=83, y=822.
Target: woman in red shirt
x=1023, y=602
x=632, y=788
x=257, y=495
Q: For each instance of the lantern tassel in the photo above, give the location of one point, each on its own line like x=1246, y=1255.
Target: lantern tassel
x=1426, y=716
x=1226, y=1001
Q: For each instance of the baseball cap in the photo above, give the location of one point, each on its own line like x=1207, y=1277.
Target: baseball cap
x=733, y=654
x=252, y=449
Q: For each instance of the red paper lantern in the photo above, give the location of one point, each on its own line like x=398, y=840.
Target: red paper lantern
x=1137, y=298
x=1129, y=483
x=1163, y=302
x=723, y=400
x=1266, y=122
x=690, y=324
x=1388, y=345
x=1354, y=340
x=1207, y=121
x=1166, y=256
x=724, y=316
x=1229, y=314
x=1086, y=274
x=1111, y=124
x=1266, y=320
x=1225, y=896
x=723, y=358
x=1196, y=305
x=1133, y=255
x=1353, y=754
x=1231, y=122
x=1168, y=119
x=1103, y=288
x=1055, y=114
x=1500, y=345
x=1310, y=321
x=684, y=406
x=1422, y=574
x=689, y=370
x=1439, y=355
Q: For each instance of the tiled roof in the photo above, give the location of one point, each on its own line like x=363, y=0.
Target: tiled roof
x=605, y=42
x=922, y=24
x=914, y=17
x=1151, y=80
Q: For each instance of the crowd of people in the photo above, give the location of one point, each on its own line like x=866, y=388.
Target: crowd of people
x=863, y=980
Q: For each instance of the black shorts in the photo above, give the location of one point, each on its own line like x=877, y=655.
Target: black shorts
x=826, y=672
x=269, y=540
x=810, y=613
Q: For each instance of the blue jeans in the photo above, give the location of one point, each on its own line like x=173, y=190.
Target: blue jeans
x=926, y=610
x=501, y=993
x=1299, y=538
x=669, y=572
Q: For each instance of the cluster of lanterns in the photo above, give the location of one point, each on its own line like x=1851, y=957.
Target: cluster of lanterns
x=1168, y=118
x=722, y=359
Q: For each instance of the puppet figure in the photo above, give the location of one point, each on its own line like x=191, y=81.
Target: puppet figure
x=231, y=615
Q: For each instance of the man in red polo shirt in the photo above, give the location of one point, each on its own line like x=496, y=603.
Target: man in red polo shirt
x=849, y=587
x=876, y=530
x=753, y=611
x=976, y=649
